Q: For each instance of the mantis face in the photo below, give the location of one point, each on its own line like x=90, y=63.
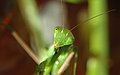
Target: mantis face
x=62, y=37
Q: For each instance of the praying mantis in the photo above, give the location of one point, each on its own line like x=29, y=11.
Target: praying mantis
x=63, y=46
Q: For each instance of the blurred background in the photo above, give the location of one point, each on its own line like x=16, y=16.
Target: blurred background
x=98, y=40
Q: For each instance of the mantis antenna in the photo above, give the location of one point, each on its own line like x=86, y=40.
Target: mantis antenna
x=91, y=18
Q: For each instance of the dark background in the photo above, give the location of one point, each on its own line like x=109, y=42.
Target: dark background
x=15, y=61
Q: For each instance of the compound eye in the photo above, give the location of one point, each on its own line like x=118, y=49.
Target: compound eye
x=56, y=29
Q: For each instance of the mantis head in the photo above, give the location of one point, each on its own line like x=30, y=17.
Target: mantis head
x=62, y=37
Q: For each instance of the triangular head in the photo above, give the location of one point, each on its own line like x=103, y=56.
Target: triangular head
x=62, y=37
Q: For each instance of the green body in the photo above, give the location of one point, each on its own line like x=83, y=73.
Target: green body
x=63, y=44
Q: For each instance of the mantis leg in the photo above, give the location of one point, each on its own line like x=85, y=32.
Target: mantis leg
x=54, y=63
x=63, y=60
